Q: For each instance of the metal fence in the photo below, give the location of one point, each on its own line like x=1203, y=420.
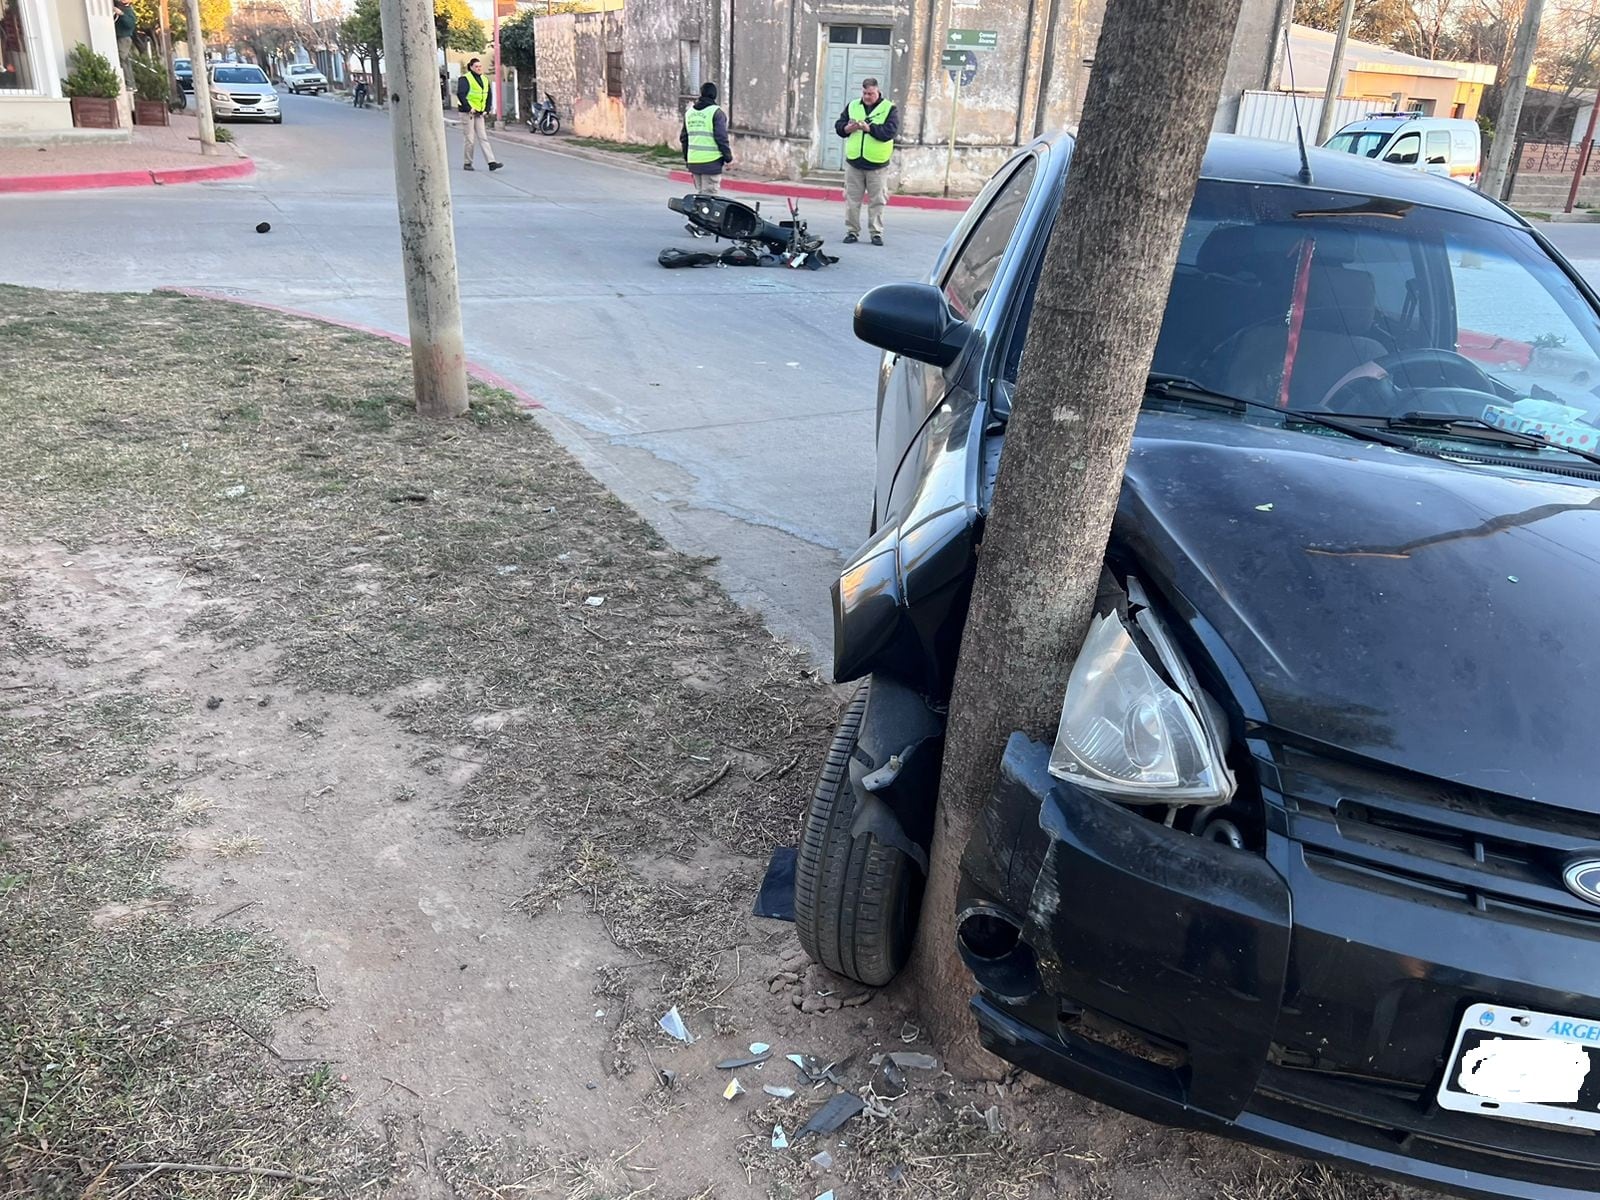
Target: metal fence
x=1273, y=115
x=1553, y=158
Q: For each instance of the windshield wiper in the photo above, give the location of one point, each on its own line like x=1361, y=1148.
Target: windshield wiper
x=1447, y=421
x=1169, y=385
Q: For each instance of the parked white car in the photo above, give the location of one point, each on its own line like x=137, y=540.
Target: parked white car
x=305, y=77
x=1448, y=146
x=243, y=90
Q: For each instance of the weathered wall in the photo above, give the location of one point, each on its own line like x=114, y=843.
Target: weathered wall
x=1252, y=62
x=770, y=58
x=555, y=47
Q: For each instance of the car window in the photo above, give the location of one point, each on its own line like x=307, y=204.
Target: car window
x=1405, y=149
x=1521, y=321
x=1439, y=146
x=973, y=270
x=1366, y=144
x=238, y=75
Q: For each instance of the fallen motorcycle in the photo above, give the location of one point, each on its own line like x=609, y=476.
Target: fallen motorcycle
x=757, y=242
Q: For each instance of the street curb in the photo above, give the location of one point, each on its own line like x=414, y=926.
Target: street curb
x=482, y=374
x=119, y=179
x=556, y=145
x=812, y=191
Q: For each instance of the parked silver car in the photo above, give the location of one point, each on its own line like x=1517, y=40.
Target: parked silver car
x=243, y=90
x=305, y=77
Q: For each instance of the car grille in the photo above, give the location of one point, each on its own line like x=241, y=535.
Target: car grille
x=1500, y=856
x=247, y=99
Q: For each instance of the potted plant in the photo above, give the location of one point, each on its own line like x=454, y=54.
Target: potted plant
x=93, y=85
x=150, y=90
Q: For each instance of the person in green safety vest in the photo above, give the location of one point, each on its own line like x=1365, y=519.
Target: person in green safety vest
x=473, y=93
x=704, y=138
x=868, y=126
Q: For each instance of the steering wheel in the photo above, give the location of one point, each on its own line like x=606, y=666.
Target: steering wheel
x=1408, y=371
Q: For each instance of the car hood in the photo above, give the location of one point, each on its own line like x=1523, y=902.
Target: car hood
x=1436, y=617
x=245, y=89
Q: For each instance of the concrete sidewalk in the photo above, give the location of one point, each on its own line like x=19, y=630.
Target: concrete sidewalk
x=155, y=154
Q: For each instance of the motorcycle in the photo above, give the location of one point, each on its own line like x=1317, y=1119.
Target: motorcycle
x=542, y=117
x=757, y=242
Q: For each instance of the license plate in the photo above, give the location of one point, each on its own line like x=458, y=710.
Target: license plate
x=1520, y=1065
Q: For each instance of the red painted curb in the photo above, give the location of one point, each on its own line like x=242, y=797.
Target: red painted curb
x=812, y=191
x=482, y=374
x=116, y=179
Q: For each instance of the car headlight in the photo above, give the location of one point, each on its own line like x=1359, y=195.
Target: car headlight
x=220, y=97
x=1134, y=729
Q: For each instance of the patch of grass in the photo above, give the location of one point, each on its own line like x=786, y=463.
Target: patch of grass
x=659, y=153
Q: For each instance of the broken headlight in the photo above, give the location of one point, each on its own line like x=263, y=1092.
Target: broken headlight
x=1135, y=725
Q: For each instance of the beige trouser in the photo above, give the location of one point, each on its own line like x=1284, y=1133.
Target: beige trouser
x=125, y=56
x=874, y=185
x=477, y=135
x=707, y=185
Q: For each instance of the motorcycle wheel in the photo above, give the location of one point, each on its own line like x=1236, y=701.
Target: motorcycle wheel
x=549, y=123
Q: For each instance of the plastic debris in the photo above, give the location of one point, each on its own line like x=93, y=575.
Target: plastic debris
x=992, y=1120
x=814, y=1070
x=782, y=1093
x=667, y=1079
x=910, y=1033
x=734, y=1088
x=673, y=1024
x=889, y=1083
x=733, y=1064
x=759, y=1048
x=832, y=1115
x=1512, y=579
x=595, y=601
x=780, y=1140
x=822, y=1161
x=235, y=491
x=910, y=1060
x=827, y=1195
x=508, y=569
x=1263, y=508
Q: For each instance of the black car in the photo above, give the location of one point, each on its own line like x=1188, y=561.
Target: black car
x=1314, y=859
x=184, y=70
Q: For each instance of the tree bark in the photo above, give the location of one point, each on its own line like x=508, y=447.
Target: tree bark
x=1101, y=297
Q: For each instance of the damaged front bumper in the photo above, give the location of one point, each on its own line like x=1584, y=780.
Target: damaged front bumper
x=1203, y=986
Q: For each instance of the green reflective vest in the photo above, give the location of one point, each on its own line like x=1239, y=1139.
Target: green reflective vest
x=477, y=92
x=861, y=145
x=701, y=125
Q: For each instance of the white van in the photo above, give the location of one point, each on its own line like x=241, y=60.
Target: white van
x=1438, y=145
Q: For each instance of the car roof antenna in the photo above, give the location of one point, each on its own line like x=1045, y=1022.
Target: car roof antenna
x=1294, y=101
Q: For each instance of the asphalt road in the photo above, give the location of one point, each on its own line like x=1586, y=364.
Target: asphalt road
x=732, y=407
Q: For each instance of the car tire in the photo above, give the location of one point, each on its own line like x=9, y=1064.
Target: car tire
x=856, y=899
x=278, y=120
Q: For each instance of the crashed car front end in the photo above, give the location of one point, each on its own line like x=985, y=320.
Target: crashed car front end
x=1216, y=920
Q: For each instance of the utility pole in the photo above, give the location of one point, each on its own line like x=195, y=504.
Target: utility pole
x=1586, y=148
x=173, y=94
x=422, y=187
x=1330, y=94
x=1505, y=124
x=202, y=79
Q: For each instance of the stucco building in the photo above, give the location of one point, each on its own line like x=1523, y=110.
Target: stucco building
x=35, y=38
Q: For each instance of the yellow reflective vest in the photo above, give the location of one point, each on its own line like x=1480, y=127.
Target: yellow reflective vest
x=862, y=145
x=701, y=125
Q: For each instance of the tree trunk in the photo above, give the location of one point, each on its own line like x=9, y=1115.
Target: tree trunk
x=1101, y=296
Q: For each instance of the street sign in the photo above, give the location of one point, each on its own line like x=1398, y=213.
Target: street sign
x=962, y=65
x=974, y=39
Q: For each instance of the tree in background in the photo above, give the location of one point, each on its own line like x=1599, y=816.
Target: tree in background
x=457, y=28
x=265, y=28
x=517, y=42
x=1386, y=22
x=214, y=15
x=361, y=34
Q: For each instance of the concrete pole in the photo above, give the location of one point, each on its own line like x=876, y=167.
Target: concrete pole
x=202, y=80
x=1583, y=155
x=1505, y=124
x=1330, y=95
x=422, y=186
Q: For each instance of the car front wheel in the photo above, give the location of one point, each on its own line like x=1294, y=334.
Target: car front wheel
x=855, y=898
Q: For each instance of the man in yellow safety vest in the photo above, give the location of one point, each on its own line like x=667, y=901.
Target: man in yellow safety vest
x=473, y=93
x=704, y=138
x=868, y=126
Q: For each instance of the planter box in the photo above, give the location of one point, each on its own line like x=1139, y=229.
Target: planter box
x=151, y=112
x=94, y=112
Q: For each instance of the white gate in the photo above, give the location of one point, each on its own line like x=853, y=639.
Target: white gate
x=1271, y=115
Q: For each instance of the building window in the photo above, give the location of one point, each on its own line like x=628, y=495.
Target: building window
x=689, y=78
x=614, y=73
x=16, y=71
x=875, y=35
x=859, y=35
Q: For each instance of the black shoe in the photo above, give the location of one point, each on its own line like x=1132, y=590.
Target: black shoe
x=495, y=166
x=877, y=239
x=850, y=239
x=468, y=167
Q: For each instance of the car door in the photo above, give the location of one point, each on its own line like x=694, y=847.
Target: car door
x=1405, y=150
x=1436, y=153
x=912, y=390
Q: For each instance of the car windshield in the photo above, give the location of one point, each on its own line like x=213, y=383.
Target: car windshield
x=239, y=75
x=182, y=64
x=1347, y=304
x=303, y=70
x=1366, y=143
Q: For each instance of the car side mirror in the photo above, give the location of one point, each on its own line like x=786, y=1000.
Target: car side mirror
x=911, y=319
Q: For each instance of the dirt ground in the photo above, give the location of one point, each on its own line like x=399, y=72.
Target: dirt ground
x=369, y=789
